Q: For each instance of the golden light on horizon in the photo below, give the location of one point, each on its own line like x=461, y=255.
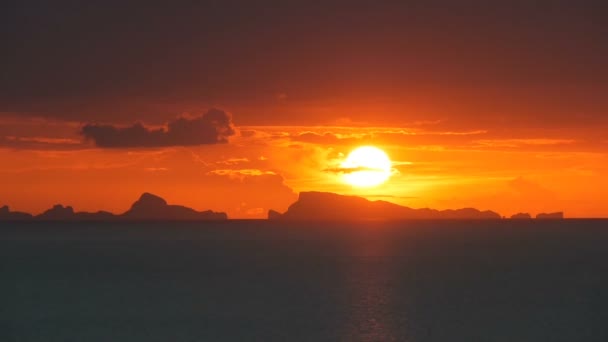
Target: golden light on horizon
x=366, y=166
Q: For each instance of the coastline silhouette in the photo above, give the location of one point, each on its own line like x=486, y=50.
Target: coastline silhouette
x=309, y=206
x=147, y=208
x=330, y=206
x=521, y=216
x=6, y=214
x=550, y=216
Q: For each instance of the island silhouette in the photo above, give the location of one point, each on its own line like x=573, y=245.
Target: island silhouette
x=6, y=214
x=310, y=205
x=550, y=216
x=330, y=206
x=521, y=216
x=148, y=207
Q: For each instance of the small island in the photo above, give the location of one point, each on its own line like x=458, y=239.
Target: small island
x=550, y=216
x=147, y=208
x=311, y=205
x=521, y=216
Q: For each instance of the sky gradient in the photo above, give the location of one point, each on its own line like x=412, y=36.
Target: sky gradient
x=237, y=107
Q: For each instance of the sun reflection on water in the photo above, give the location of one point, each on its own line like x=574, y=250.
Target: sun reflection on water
x=369, y=289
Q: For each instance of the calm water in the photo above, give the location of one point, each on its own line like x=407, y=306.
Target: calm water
x=269, y=281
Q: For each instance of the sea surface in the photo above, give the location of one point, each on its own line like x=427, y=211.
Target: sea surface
x=511, y=281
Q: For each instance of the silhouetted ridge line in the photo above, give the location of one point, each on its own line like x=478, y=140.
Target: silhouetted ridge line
x=550, y=216
x=330, y=206
x=147, y=207
x=6, y=214
x=152, y=207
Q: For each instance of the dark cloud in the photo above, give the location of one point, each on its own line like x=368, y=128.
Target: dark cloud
x=428, y=57
x=213, y=127
x=346, y=170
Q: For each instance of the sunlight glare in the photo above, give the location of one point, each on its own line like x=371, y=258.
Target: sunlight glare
x=366, y=166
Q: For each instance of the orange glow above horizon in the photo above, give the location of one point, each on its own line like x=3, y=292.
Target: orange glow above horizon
x=264, y=167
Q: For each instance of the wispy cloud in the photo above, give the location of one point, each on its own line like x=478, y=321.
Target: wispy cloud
x=43, y=140
x=347, y=170
x=156, y=169
x=240, y=172
x=233, y=161
x=213, y=127
x=514, y=143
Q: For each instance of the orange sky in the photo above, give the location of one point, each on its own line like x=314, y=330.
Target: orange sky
x=264, y=167
x=494, y=105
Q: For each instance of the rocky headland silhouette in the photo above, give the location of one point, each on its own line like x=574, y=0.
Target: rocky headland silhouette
x=6, y=214
x=521, y=216
x=330, y=206
x=147, y=207
x=152, y=207
x=309, y=206
x=550, y=216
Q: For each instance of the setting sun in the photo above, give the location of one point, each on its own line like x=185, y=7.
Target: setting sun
x=366, y=166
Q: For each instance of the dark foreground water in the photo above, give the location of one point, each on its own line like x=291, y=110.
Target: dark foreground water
x=268, y=281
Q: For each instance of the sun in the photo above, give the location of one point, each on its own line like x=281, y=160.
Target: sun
x=366, y=166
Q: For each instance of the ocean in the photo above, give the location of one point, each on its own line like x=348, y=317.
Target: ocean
x=416, y=281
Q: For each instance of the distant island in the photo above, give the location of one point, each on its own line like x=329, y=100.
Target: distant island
x=6, y=214
x=521, y=216
x=147, y=207
x=309, y=206
x=551, y=216
x=330, y=206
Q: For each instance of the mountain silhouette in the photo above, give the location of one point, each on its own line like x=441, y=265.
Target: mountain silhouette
x=60, y=213
x=550, y=216
x=147, y=207
x=309, y=206
x=6, y=214
x=57, y=212
x=331, y=206
x=152, y=207
x=274, y=215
